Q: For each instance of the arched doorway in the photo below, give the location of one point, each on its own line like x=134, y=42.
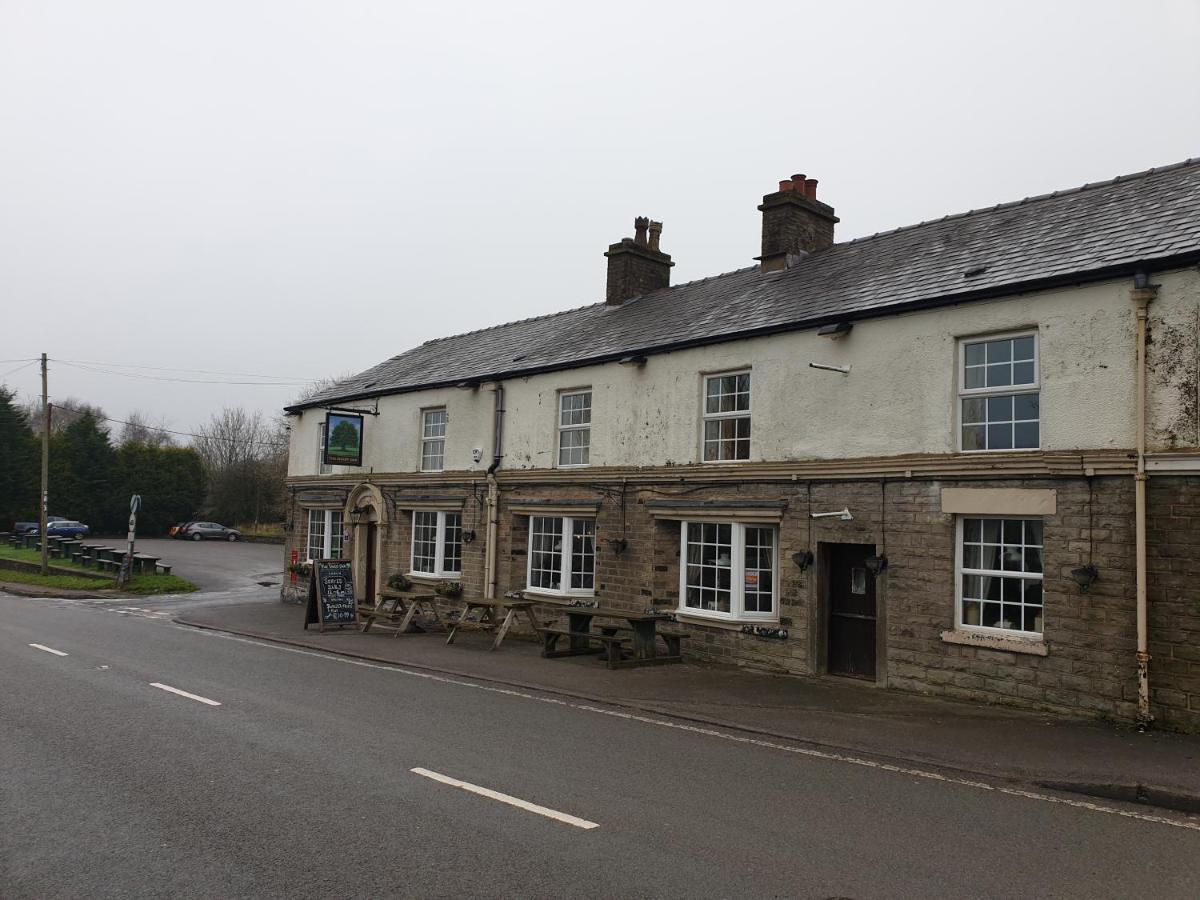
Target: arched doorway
x=366, y=513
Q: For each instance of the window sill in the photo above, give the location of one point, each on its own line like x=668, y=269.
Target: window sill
x=690, y=617
x=560, y=599
x=1002, y=642
x=432, y=579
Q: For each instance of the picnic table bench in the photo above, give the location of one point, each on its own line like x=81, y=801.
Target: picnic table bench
x=405, y=605
x=640, y=634
x=489, y=611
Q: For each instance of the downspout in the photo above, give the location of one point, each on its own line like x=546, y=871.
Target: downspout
x=491, y=557
x=1141, y=295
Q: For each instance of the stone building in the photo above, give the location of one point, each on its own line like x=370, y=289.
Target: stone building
x=961, y=457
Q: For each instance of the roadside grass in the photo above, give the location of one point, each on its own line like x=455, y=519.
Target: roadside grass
x=139, y=584
x=273, y=530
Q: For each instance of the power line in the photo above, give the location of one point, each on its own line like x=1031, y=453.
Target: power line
x=18, y=368
x=203, y=437
x=82, y=362
x=178, y=380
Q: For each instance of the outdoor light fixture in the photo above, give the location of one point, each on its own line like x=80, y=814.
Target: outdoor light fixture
x=803, y=559
x=843, y=514
x=876, y=564
x=833, y=332
x=467, y=385
x=617, y=545
x=468, y=535
x=844, y=370
x=1085, y=577
x=633, y=360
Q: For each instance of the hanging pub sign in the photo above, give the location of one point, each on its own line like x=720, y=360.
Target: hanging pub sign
x=331, y=594
x=343, y=440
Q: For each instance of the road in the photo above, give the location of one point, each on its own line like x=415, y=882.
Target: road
x=302, y=783
x=215, y=565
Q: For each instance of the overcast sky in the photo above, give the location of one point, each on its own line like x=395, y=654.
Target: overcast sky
x=303, y=189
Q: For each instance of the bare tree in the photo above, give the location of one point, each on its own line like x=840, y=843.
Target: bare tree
x=63, y=413
x=138, y=430
x=245, y=461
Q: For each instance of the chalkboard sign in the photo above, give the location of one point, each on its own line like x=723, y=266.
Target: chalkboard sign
x=331, y=594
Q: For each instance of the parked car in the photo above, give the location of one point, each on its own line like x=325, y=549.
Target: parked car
x=208, y=531
x=34, y=527
x=67, y=528
x=176, y=530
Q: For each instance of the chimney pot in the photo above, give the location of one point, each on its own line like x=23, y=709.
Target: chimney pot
x=655, y=234
x=640, y=224
x=810, y=188
x=798, y=183
x=785, y=185
x=795, y=224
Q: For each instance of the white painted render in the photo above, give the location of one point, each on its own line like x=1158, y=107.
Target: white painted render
x=899, y=397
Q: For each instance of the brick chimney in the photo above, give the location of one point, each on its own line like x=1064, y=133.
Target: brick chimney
x=635, y=265
x=794, y=223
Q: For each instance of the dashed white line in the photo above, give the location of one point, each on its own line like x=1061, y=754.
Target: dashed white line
x=196, y=697
x=49, y=649
x=506, y=798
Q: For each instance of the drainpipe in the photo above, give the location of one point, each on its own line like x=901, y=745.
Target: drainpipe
x=1141, y=295
x=491, y=557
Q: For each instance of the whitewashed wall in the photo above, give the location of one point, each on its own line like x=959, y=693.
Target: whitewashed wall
x=899, y=397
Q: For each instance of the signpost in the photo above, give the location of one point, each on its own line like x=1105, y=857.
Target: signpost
x=331, y=598
x=135, y=503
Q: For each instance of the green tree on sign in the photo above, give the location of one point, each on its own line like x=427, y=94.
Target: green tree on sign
x=344, y=437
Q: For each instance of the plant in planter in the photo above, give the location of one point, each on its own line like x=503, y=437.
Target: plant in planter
x=300, y=568
x=399, y=582
x=451, y=590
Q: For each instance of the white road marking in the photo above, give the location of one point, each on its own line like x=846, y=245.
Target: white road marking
x=506, y=798
x=197, y=697
x=49, y=649
x=712, y=732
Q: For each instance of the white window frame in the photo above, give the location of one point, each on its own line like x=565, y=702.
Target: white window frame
x=566, y=559
x=959, y=572
x=439, y=563
x=322, y=467
x=327, y=537
x=428, y=440
x=706, y=416
x=965, y=393
x=737, y=593
x=571, y=429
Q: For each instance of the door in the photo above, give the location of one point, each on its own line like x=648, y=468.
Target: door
x=852, y=611
x=371, y=550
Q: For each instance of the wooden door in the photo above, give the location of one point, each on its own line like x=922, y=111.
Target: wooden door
x=853, y=614
x=369, y=586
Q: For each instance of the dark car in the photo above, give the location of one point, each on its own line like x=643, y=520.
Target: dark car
x=34, y=527
x=208, y=531
x=67, y=528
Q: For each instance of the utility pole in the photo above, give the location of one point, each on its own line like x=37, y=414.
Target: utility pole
x=45, y=469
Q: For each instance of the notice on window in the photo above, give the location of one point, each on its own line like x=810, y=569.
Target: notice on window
x=752, y=579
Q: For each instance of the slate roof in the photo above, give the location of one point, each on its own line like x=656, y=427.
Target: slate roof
x=1095, y=231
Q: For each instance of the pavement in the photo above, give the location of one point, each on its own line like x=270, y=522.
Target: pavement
x=143, y=758
x=833, y=714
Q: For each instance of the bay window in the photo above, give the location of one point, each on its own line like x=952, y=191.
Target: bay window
x=437, y=544
x=324, y=534
x=729, y=570
x=562, y=555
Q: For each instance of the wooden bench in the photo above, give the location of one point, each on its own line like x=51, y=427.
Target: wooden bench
x=488, y=621
x=163, y=569
x=404, y=607
x=612, y=645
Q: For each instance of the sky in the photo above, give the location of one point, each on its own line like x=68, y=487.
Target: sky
x=299, y=190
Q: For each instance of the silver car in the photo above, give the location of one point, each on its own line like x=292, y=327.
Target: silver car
x=209, y=531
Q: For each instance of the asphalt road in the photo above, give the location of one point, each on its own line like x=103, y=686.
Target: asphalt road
x=301, y=784
x=216, y=565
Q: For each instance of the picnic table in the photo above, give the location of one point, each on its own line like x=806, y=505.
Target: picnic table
x=405, y=605
x=642, y=629
x=489, y=611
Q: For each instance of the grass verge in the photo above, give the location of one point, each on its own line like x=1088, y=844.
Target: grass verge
x=140, y=584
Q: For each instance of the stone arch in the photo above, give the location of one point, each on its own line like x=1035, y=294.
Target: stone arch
x=369, y=497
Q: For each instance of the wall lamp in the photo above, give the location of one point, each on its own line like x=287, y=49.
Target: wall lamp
x=834, y=332
x=468, y=385
x=1085, y=577
x=803, y=559
x=468, y=536
x=617, y=545
x=843, y=370
x=633, y=360
x=843, y=514
x=876, y=564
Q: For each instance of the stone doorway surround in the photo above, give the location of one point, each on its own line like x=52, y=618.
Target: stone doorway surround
x=365, y=506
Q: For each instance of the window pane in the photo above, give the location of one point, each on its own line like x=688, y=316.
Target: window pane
x=975, y=377
x=999, y=409
x=974, y=437
x=999, y=437
x=974, y=409
x=316, y=533
x=424, y=544
x=1026, y=406
x=973, y=530
x=452, y=545
x=975, y=355
x=1022, y=373
x=1022, y=348
x=335, y=534
x=999, y=351
x=999, y=375
x=583, y=554
x=1026, y=436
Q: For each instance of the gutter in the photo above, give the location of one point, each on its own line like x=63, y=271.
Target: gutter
x=1141, y=295
x=491, y=556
